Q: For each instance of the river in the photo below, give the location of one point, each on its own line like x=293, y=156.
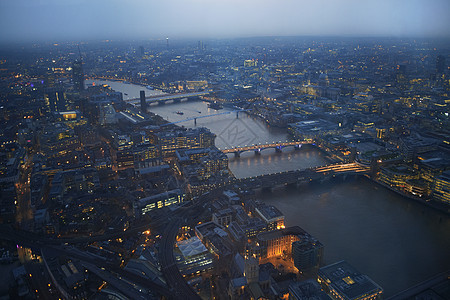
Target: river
x=394, y=240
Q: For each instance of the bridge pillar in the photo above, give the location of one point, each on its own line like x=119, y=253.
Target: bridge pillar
x=237, y=154
x=258, y=152
x=278, y=149
x=161, y=102
x=297, y=147
x=195, y=121
x=237, y=114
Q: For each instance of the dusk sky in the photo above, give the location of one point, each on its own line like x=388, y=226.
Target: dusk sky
x=54, y=20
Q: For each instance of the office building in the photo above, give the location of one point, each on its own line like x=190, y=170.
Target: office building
x=170, y=141
x=77, y=75
x=307, y=254
x=55, y=99
x=271, y=215
x=341, y=281
x=441, y=191
x=147, y=204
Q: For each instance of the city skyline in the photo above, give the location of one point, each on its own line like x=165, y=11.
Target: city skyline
x=48, y=20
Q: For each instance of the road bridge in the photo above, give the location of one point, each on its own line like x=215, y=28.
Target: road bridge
x=162, y=99
x=302, y=176
x=257, y=148
x=237, y=111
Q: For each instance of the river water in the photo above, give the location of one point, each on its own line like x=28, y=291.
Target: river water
x=394, y=240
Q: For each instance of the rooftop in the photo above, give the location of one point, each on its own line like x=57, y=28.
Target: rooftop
x=191, y=247
x=347, y=281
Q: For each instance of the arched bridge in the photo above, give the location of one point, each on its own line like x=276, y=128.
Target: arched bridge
x=258, y=148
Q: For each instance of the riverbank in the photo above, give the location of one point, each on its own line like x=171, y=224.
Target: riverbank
x=442, y=207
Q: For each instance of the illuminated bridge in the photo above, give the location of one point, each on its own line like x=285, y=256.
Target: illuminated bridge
x=162, y=99
x=258, y=148
x=342, y=168
x=297, y=177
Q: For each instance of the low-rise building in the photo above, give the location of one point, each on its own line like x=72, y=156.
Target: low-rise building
x=341, y=281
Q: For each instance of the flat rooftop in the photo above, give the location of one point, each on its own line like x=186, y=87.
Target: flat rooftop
x=347, y=281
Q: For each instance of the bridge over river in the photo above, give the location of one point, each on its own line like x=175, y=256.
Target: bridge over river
x=258, y=148
x=297, y=177
x=162, y=99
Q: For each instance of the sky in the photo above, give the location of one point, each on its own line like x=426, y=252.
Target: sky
x=74, y=20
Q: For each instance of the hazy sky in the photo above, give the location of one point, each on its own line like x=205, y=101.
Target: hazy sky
x=53, y=20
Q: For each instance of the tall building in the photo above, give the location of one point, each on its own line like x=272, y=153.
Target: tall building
x=307, y=254
x=55, y=99
x=440, y=64
x=401, y=77
x=200, y=46
x=77, y=75
x=143, y=102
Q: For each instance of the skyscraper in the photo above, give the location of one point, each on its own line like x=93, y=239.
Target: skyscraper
x=77, y=75
x=440, y=64
x=143, y=102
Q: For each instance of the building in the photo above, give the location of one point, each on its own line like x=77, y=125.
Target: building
x=396, y=176
x=440, y=64
x=250, y=63
x=271, y=215
x=170, y=141
x=77, y=75
x=341, y=281
x=275, y=243
x=306, y=290
x=145, y=205
x=307, y=254
x=441, y=191
x=413, y=145
x=55, y=99
x=223, y=217
x=144, y=104
x=195, y=258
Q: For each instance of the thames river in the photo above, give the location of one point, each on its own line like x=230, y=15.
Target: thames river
x=394, y=240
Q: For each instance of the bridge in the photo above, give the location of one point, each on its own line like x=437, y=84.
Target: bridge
x=162, y=99
x=298, y=177
x=278, y=146
x=237, y=111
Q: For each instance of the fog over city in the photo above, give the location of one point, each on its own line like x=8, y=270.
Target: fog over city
x=50, y=20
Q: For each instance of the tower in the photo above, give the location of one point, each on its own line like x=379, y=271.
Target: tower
x=440, y=64
x=143, y=102
x=77, y=75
